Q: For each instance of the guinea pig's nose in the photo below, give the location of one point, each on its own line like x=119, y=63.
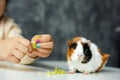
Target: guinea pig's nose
x=80, y=57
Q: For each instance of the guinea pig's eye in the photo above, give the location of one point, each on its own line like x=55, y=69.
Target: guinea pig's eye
x=73, y=45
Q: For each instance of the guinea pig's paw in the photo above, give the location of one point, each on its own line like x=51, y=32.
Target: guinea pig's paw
x=86, y=72
x=70, y=72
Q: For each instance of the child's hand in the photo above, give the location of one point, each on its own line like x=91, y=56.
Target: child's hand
x=13, y=49
x=46, y=46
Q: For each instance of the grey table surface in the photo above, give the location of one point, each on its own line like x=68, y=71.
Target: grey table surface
x=38, y=70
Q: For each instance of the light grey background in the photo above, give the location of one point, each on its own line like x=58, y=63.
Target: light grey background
x=96, y=20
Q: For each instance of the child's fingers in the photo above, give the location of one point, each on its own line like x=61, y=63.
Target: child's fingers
x=44, y=51
x=13, y=59
x=47, y=45
x=26, y=43
x=40, y=54
x=20, y=47
x=33, y=54
x=44, y=38
x=18, y=54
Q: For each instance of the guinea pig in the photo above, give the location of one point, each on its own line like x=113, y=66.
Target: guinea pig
x=84, y=56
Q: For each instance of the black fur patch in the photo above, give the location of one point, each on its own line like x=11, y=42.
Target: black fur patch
x=87, y=52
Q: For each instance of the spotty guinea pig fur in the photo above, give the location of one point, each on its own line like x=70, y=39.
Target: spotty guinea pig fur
x=84, y=56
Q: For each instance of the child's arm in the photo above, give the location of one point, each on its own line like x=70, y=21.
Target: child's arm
x=11, y=30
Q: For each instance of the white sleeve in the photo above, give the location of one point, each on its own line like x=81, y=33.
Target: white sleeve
x=27, y=60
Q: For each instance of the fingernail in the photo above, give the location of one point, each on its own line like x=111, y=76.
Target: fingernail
x=31, y=52
x=37, y=41
x=38, y=45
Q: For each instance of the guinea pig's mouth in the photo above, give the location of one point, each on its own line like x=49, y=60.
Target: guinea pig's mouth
x=80, y=57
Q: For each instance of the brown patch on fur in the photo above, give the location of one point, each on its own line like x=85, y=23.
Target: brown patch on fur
x=104, y=59
x=76, y=39
x=69, y=53
x=71, y=50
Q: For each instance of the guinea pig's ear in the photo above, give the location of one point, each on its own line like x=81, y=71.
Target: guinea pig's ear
x=69, y=42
